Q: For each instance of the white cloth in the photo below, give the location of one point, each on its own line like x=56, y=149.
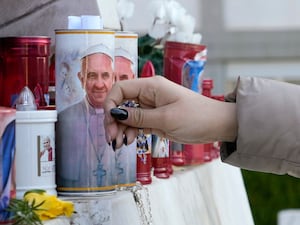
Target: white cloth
x=288, y=217
x=208, y=194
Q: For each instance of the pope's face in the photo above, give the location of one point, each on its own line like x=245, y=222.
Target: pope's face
x=123, y=69
x=46, y=143
x=97, y=77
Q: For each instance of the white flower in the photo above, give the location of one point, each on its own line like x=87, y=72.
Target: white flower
x=172, y=22
x=174, y=11
x=196, y=38
x=181, y=37
x=157, y=9
x=125, y=9
x=186, y=24
x=159, y=29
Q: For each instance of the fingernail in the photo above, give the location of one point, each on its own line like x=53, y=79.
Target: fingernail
x=108, y=139
x=125, y=140
x=114, y=143
x=119, y=114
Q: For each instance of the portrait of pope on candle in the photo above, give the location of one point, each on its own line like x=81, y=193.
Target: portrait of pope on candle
x=125, y=64
x=84, y=160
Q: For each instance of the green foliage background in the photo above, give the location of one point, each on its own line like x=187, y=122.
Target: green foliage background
x=148, y=49
x=268, y=194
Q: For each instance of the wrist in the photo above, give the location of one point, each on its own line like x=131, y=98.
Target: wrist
x=228, y=122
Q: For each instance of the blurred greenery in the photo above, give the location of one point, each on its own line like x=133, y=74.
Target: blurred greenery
x=150, y=49
x=269, y=193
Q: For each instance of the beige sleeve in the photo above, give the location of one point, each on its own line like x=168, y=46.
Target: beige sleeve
x=268, y=114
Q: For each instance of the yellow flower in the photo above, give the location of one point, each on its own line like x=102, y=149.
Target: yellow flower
x=51, y=206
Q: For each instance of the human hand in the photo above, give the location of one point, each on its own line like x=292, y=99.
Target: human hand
x=167, y=110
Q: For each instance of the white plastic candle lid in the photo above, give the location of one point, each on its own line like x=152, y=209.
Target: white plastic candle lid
x=74, y=22
x=91, y=22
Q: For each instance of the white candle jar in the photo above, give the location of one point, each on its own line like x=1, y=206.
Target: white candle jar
x=35, y=151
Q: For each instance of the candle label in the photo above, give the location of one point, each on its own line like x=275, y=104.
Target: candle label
x=46, y=155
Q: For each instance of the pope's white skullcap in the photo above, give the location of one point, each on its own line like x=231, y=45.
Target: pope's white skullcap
x=99, y=48
x=124, y=53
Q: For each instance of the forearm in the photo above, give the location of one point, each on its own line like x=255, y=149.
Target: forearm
x=268, y=127
x=225, y=124
x=218, y=121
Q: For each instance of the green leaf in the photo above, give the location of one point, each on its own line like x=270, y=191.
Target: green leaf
x=38, y=191
x=146, y=40
x=23, y=212
x=148, y=49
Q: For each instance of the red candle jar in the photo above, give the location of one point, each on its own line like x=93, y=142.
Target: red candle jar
x=177, y=157
x=176, y=55
x=143, y=159
x=160, y=157
x=194, y=154
x=24, y=61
